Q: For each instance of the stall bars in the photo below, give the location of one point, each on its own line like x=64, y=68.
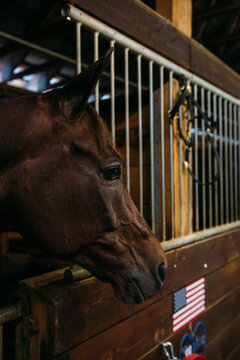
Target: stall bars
x=215, y=208
x=222, y=200
x=8, y=315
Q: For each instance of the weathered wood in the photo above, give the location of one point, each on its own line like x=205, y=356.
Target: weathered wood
x=143, y=24
x=125, y=340
x=39, y=341
x=216, y=71
x=226, y=340
x=88, y=307
x=235, y=354
x=217, y=317
x=155, y=32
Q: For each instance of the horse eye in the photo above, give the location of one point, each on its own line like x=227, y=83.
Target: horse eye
x=112, y=173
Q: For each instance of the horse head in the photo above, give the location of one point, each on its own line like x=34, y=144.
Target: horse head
x=61, y=187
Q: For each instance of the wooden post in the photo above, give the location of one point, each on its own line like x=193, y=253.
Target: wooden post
x=179, y=12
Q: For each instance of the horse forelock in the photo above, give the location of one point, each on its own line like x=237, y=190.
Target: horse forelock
x=101, y=133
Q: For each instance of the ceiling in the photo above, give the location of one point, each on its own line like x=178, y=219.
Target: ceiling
x=216, y=24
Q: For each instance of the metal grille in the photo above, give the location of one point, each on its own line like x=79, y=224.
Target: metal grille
x=9, y=315
x=163, y=190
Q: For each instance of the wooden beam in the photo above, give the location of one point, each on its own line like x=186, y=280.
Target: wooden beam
x=37, y=69
x=206, y=14
x=143, y=24
x=155, y=32
x=230, y=29
x=179, y=12
x=225, y=39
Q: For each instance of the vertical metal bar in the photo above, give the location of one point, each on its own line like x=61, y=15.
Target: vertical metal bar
x=78, y=47
x=226, y=161
x=112, y=70
x=180, y=175
x=151, y=144
x=235, y=164
x=126, y=62
x=238, y=122
x=196, y=159
x=230, y=161
x=162, y=151
x=215, y=164
x=171, y=152
x=203, y=161
x=189, y=176
x=1, y=342
x=139, y=65
x=209, y=110
x=96, y=56
x=19, y=345
x=221, y=159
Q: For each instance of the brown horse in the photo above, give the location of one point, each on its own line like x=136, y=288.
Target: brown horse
x=61, y=187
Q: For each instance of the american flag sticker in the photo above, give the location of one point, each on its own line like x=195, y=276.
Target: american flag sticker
x=188, y=303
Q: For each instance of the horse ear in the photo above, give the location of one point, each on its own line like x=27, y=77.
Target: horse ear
x=73, y=96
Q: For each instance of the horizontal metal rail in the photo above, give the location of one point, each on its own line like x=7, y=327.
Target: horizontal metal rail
x=58, y=55
x=72, y=13
x=197, y=236
x=10, y=313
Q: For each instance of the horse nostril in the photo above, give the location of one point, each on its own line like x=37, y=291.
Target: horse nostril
x=162, y=271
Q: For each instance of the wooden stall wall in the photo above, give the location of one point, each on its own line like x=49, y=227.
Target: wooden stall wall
x=85, y=321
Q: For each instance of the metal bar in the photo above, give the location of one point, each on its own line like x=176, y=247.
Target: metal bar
x=162, y=152
x=238, y=121
x=87, y=20
x=139, y=58
x=203, y=161
x=126, y=62
x=189, y=178
x=171, y=152
x=10, y=313
x=112, y=71
x=226, y=161
x=96, y=56
x=19, y=345
x=216, y=206
x=209, y=110
x=235, y=164
x=151, y=144
x=221, y=159
x=198, y=236
x=180, y=176
x=230, y=161
x=37, y=47
x=78, y=47
x=196, y=160
x=1, y=342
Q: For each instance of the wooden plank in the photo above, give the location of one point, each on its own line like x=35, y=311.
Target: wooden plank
x=155, y=32
x=88, y=307
x=132, y=337
x=216, y=71
x=38, y=342
x=224, y=343
x=216, y=317
x=235, y=354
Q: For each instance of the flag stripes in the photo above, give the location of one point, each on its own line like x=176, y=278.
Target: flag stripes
x=188, y=303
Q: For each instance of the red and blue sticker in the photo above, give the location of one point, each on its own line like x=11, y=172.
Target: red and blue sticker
x=194, y=343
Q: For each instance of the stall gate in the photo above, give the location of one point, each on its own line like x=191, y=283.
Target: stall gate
x=179, y=210
x=178, y=206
